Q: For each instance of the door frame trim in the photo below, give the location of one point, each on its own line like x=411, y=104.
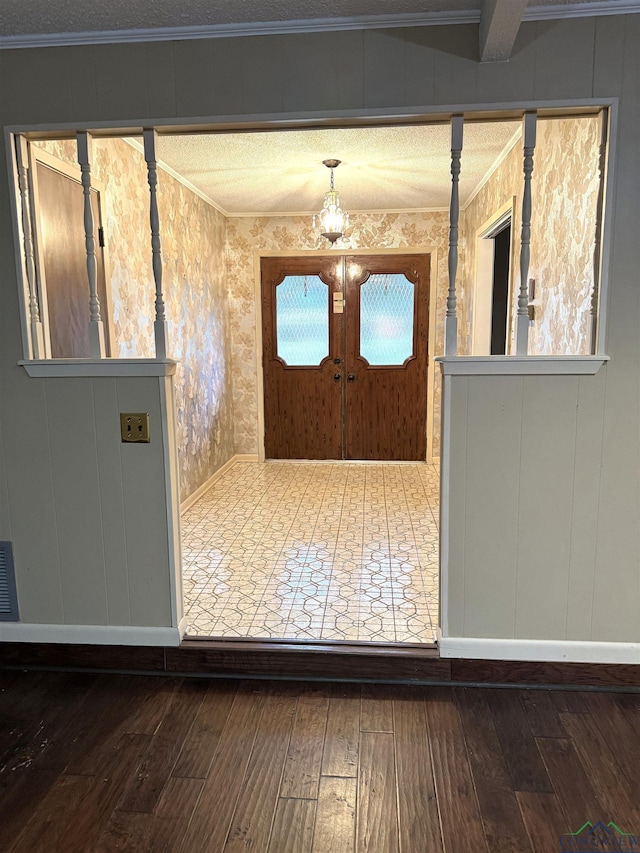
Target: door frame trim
x=484, y=270
x=259, y=254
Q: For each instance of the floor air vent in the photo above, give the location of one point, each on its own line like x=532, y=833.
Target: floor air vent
x=8, y=596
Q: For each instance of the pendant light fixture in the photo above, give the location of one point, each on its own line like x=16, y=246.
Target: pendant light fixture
x=332, y=219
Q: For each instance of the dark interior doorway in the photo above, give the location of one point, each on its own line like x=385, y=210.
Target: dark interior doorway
x=500, y=297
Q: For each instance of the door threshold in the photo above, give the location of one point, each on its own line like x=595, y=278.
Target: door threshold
x=340, y=660
x=336, y=646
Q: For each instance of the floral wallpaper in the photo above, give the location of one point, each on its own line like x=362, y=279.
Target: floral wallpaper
x=245, y=235
x=564, y=195
x=194, y=282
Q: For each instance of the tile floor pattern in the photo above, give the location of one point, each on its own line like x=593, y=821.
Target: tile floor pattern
x=310, y=551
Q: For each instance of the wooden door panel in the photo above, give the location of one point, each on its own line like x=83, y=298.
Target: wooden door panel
x=61, y=234
x=386, y=403
x=302, y=401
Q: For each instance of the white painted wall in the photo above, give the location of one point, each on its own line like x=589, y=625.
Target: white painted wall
x=531, y=555
x=377, y=71
x=87, y=514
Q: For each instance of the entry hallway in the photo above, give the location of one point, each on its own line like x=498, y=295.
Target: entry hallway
x=308, y=551
x=136, y=763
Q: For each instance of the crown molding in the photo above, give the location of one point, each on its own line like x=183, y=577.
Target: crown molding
x=245, y=29
x=581, y=10
x=502, y=156
x=138, y=146
x=307, y=213
x=369, y=22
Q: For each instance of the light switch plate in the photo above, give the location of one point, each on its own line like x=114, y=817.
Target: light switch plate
x=134, y=426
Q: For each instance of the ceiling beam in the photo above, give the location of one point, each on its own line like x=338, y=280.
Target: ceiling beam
x=499, y=25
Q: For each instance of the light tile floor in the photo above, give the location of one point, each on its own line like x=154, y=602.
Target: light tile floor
x=333, y=551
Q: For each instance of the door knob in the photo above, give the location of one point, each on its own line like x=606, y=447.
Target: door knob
x=337, y=377
x=351, y=377
x=336, y=361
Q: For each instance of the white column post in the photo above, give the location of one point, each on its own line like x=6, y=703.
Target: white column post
x=96, y=328
x=160, y=324
x=451, y=318
x=35, y=323
x=522, y=319
x=597, y=248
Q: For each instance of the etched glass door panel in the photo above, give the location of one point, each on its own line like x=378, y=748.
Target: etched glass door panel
x=302, y=320
x=386, y=319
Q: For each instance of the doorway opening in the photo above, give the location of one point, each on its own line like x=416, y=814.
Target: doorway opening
x=500, y=289
x=251, y=209
x=493, y=284
x=344, y=545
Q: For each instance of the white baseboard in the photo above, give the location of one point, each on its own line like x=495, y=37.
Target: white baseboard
x=94, y=635
x=549, y=651
x=201, y=490
x=182, y=626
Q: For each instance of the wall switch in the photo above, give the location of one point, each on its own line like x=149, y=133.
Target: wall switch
x=134, y=426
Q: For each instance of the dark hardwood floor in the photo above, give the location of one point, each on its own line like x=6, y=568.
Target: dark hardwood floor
x=152, y=763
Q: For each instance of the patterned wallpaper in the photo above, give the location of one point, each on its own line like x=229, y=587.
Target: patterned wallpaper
x=564, y=193
x=294, y=234
x=195, y=286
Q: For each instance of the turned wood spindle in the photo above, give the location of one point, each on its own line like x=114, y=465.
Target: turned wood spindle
x=451, y=318
x=522, y=317
x=96, y=327
x=160, y=324
x=35, y=323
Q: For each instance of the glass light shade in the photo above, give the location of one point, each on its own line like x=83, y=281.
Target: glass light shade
x=332, y=219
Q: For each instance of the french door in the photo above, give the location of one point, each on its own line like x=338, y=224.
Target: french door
x=345, y=356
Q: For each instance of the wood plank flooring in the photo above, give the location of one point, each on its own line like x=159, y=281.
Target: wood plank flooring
x=141, y=763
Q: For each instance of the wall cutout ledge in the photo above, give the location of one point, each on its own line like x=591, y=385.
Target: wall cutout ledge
x=526, y=365
x=61, y=367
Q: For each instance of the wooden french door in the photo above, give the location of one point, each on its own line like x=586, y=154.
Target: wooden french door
x=302, y=356
x=345, y=356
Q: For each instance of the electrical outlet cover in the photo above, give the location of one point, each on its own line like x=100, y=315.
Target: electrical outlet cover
x=134, y=427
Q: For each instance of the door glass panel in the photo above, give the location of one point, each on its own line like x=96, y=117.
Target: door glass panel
x=302, y=320
x=386, y=319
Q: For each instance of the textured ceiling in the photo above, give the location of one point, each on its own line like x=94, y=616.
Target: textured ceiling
x=20, y=17
x=383, y=168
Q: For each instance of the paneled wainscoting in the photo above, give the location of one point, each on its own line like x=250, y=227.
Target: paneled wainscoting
x=113, y=762
x=314, y=551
